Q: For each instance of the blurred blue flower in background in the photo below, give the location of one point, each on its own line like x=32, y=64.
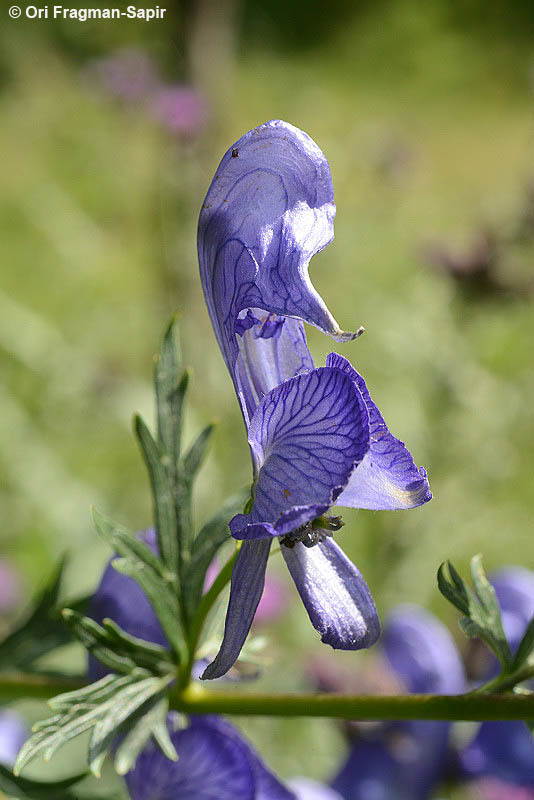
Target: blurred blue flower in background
x=215, y=763
x=13, y=733
x=504, y=750
x=315, y=435
x=403, y=760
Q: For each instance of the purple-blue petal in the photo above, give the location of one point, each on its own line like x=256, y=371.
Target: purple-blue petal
x=387, y=478
x=121, y=599
x=214, y=763
x=267, y=785
x=514, y=587
x=306, y=789
x=422, y=653
x=503, y=750
x=264, y=361
x=336, y=596
x=248, y=579
x=211, y=766
x=306, y=438
x=405, y=764
x=13, y=733
x=269, y=209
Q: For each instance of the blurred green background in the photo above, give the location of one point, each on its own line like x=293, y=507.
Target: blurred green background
x=425, y=112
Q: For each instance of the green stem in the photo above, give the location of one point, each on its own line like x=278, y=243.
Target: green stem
x=197, y=700
x=21, y=685
x=204, y=608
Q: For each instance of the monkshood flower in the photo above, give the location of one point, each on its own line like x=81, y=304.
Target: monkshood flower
x=306, y=789
x=501, y=750
x=514, y=587
x=490, y=789
x=504, y=750
x=315, y=435
x=215, y=763
x=13, y=733
x=407, y=760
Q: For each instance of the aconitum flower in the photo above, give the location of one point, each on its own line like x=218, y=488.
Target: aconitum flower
x=215, y=763
x=514, y=587
x=406, y=760
x=504, y=750
x=315, y=435
x=13, y=733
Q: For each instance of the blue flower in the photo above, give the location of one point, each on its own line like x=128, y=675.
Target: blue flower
x=13, y=734
x=315, y=435
x=214, y=762
x=406, y=760
x=504, y=750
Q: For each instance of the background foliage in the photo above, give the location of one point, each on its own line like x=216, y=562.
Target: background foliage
x=425, y=113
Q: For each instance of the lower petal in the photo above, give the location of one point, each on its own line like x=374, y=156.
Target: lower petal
x=387, y=478
x=335, y=594
x=248, y=578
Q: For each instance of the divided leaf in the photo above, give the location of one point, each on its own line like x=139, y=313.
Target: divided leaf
x=115, y=648
x=481, y=608
x=104, y=708
x=157, y=463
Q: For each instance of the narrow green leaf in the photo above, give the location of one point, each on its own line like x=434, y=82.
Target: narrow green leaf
x=451, y=592
x=99, y=692
x=153, y=653
x=141, y=729
x=160, y=596
x=94, y=638
x=169, y=398
x=125, y=543
x=526, y=646
x=490, y=618
x=195, y=456
x=126, y=702
x=157, y=464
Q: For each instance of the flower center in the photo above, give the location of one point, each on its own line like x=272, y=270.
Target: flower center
x=313, y=532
